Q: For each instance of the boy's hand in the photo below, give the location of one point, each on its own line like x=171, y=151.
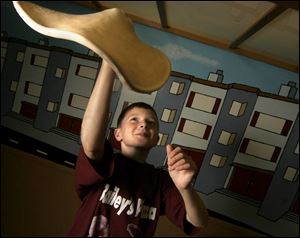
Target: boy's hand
x=181, y=167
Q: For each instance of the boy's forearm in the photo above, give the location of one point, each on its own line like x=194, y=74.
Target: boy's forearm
x=94, y=123
x=196, y=211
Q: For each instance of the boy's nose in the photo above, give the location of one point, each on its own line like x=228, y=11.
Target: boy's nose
x=143, y=124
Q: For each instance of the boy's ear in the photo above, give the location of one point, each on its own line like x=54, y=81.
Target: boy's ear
x=117, y=133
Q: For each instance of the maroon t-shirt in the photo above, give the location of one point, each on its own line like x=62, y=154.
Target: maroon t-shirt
x=122, y=197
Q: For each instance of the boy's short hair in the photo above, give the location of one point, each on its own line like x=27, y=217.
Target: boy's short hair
x=133, y=105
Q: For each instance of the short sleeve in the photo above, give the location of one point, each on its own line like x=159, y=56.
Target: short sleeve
x=173, y=205
x=89, y=172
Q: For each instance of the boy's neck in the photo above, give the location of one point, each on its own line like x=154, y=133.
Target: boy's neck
x=138, y=155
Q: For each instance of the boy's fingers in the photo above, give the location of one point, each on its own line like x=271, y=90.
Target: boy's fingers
x=169, y=149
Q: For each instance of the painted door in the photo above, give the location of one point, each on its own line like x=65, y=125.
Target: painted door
x=295, y=205
x=28, y=110
x=240, y=180
x=259, y=185
x=70, y=124
x=250, y=183
x=197, y=156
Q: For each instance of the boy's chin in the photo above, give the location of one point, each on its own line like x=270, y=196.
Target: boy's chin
x=144, y=145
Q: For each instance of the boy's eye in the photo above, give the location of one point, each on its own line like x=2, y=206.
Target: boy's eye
x=134, y=119
x=152, y=123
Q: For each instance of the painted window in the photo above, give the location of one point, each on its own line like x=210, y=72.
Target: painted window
x=117, y=85
x=60, y=73
x=52, y=106
x=226, y=138
x=40, y=61
x=177, y=88
x=213, y=77
x=44, y=41
x=32, y=89
x=91, y=53
x=271, y=123
x=237, y=108
x=78, y=101
x=3, y=49
x=86, y=72
x=193, y=128
x=203, y=102
x=217, y=160
x=14, y=85
x=284, y=90
x=260, y=150
x=20, y=57
x=3, y=53
x=168, y=115
x=297, y=149
x=162, y=139
x=291, y=174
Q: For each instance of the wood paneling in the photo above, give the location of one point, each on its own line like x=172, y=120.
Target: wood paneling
x=38, y=199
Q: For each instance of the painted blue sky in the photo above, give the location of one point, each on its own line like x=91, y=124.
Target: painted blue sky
x=186, y=56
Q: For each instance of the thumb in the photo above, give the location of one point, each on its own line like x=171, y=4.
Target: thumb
x=169, y=149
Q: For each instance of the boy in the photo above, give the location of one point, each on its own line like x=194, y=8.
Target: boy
x=121, y=195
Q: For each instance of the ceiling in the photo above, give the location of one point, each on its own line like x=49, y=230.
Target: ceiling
x=267, y=31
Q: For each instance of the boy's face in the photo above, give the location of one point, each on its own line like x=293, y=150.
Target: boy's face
x=139, y=129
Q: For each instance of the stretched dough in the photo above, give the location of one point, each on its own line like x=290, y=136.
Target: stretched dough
x=110, y=34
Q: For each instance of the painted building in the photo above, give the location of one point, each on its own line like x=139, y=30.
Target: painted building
x=168, y=106
x=10, y=50
x=245, y=142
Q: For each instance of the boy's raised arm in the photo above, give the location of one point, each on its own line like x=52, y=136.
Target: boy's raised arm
x=95, y=119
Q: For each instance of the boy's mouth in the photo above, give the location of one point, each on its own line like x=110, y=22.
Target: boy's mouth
x=143, y=134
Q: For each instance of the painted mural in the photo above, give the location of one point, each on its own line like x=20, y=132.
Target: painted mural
x=241, y=130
